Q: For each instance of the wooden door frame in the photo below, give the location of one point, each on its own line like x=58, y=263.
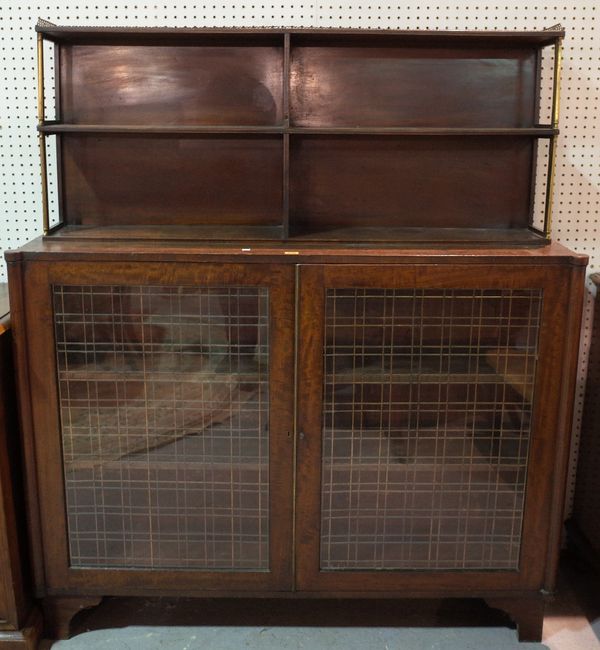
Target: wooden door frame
x=59, y=577
x=555, y=320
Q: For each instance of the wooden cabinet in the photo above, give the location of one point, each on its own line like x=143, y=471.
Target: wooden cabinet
x=297, y=331
x=20, y=621
x=266, y=423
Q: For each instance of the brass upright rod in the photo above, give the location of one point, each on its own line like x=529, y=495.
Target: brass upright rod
x=41, y=136
x=558, y=54
x=40, y=71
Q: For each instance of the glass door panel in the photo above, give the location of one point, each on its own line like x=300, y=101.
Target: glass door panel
x=426, y=424
x=164, y=408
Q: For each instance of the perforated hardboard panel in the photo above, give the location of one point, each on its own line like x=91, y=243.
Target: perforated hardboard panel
x=577, y=191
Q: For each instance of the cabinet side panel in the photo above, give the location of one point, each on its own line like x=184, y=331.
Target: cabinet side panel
x=19, y=328
x=13, y=544
x=573, y=293
x=586, y=507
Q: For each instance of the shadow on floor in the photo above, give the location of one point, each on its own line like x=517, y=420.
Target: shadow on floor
x=572, y=619
x=572, y=622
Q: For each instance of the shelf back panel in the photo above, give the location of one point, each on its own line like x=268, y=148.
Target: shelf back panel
x=374, y=181
x=141, y=180
x=171, y=85
x=412, y=86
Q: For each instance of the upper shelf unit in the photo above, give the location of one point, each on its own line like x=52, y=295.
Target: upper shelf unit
x=308, y=134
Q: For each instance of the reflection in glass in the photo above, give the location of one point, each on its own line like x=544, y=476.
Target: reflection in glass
x=164, y=412
x=427, y=421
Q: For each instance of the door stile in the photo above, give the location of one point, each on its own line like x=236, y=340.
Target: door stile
x=309, y=418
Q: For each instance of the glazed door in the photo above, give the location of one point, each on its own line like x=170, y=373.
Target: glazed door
x=163, y=425
x=426, y=432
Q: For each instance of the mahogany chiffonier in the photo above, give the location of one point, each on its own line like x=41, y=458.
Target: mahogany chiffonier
x=20, y=621
x=296, y=332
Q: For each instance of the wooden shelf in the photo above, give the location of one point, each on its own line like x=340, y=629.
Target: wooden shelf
x=435, y=236
x=136, y=462
x=496, y=366
x=215, y=233
x=413, y=463
x=354, y=236
x=115, y=34
x=194, y=376
x=404, y=378
x=512, y=369
x=430, y=433
x=157, y=129
x=536, y=131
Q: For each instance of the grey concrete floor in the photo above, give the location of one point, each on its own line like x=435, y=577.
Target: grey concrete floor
x=297, y=638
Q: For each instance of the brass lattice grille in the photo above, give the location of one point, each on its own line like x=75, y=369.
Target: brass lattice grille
x=164, y=410
x=427, y=419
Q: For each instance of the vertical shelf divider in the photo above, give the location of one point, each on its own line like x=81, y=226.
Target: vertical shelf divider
x=285, y=231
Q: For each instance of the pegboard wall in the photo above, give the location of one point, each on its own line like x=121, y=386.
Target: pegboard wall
x=577, y=187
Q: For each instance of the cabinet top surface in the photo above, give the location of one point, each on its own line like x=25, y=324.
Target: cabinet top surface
x=189, y=251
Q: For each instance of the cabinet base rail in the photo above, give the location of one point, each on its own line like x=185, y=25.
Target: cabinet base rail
x=525, y=611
